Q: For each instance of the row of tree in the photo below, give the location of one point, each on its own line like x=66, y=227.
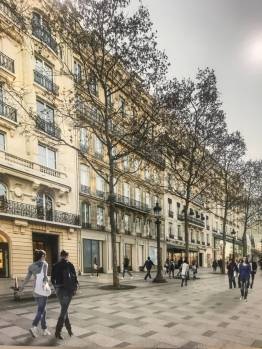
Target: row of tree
x=121, y=94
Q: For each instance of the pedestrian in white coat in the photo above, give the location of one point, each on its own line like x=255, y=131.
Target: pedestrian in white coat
x=184, y=272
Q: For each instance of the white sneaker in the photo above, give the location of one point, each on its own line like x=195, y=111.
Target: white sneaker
x=241, y=298
x=46, y=332
x=34, y=332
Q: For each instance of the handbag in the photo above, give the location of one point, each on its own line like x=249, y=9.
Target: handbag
x=41, y=288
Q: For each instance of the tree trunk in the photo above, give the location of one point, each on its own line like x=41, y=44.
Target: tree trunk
x=111, y=200
x=159, y=276
x=186, y=231
x=223, y=270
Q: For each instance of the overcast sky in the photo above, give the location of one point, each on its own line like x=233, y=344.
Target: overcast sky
x=227, y=36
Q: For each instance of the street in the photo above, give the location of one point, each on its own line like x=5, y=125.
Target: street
x=203, y=314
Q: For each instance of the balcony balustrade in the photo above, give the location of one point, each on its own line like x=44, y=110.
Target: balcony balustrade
x=42, y=33
x=9, y=12
x=46, y=82
x=126, y=201
x=7, y=63
x=8, y=112
x=48, y=127
x=85, y=189
x=14, y=208
x=191, y=220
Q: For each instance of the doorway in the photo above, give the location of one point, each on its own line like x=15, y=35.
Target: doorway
x=4, y=260
x=48, y=243
x=128, y=254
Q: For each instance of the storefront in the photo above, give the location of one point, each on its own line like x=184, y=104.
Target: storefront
x=4, y=257
x=49, y=243
x=92, y=254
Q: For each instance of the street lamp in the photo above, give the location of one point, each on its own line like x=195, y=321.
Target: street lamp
x=233, y=233
x=159, y=276
x=261, y=245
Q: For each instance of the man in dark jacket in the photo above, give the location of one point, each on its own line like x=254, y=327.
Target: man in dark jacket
x=253, y=271
x=65, y=282
x=126, y=267
x=231, y=272
x=148, y=264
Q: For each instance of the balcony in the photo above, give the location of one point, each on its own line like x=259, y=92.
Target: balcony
x=131, y=203
x=180, y=238
x=7, y=63
x=44, y=81
x=42, y=33
x=191, y=220
x=100, y=193
x=48, y=127
x=9, y=12
x=8, y=112
x=85, y=189
x=13, y=208
x=170, y=214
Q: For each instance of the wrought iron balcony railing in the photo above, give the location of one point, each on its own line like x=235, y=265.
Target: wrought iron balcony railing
x=128, y=202
x=191, y=219
x=44, y=81
x=43, y=34
x=48, y=127
x=10, y=13
x=30, y=211
x=8, y=112
x=85, y=189
x=7, y=63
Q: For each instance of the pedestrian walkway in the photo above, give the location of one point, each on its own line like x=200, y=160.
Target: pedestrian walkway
x=205, y=314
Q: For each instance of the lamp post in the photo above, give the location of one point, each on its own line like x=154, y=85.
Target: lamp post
x=233, y=233
x=159, y=276
x=261, y=246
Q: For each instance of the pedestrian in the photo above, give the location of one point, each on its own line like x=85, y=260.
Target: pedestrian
x=253, y=271
x=95, y=267
x=194, y=269
x=244, y=273
x=166, y=266
x=171, y=269
x=65, y=282
x=126, y=267
x=231, y=273
x=148, y=265
x=41, y=291
x=214, y=266
x=220, y=264
x=184, y=272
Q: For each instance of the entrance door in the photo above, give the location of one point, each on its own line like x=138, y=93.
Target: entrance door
x=201, y=259
x=4, y=260
x=128, y=254
x=48, y=243
x=91, y=254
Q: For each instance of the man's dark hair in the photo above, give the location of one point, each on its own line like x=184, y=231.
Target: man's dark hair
x=64, y=253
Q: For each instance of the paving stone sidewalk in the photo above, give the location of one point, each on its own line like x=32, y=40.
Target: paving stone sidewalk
x=205, y=314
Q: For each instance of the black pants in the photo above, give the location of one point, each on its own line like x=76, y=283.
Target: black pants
x=171, y=271
x=244, y=288
x=232, y=281
x=252, y=279
x=148, y=274
x=238, y=282
x=64, y=296
x=184, y=280
x=126, y=270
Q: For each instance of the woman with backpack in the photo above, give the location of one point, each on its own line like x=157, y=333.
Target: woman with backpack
x=65, y=283
x=41, y=291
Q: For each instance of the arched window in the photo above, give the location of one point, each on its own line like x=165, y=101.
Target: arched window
x=44, y=206
x=3, y=192
x=85, y=214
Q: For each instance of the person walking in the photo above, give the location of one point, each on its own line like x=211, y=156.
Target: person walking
x=148, y=265
x=166, y=266
x=253, y=271
x=214, y=266
x=171, y=269
x=41, y=291
x=184, y=272
x=126, y=267
x=194, y=269
x=95, y=267
x=65, y=282
x=231, y=273
x=244, y=274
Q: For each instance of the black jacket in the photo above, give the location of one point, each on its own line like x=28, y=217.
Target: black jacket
x=64, y=275
x=148, y=264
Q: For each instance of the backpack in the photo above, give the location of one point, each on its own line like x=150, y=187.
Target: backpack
x=69, y=279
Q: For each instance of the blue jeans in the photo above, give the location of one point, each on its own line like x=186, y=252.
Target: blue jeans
x=244, y=287
x=41, y=312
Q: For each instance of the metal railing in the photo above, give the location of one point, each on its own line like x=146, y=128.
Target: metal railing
x=44, y=81
x=10, y=13
x=50, y=171
x=26, y=210
x=191, y=219
x=8, y=112
x=7, y=63
x=48, y=127
x=43, y=34
x=129, y=202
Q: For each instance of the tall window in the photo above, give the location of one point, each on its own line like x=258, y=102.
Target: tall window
x=84, y=178
x=98, y=146
x=127, y=222
x=179, y=233
x=100, y=185
x=85, y=213
x=77, y=71
x=100, y=216
x=44, y=68
x=2, y=141
x=122, y=106
x=45, y=112
x=126, y=162
x=138, y=225
x=126, y=190
x=3, y=192
x=170, y=229
x=44, y=206
x=83, y=140
x=147, y=200
x=138, y=194
x=93, y=85
x=46, y=156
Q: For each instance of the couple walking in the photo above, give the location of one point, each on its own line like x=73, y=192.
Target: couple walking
x=65, y=282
